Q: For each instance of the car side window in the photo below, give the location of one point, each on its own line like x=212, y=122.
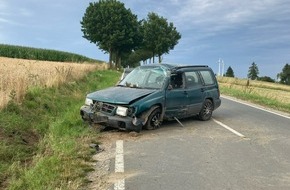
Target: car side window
x=191, y=79
x=176, y=81
x=207, y=77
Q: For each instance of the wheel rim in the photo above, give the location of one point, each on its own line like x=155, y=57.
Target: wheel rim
x=207, y=109
x=155, y=121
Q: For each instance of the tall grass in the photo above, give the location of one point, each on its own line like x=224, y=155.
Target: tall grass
x=253, y=83
x=44, y=143
x=272, y=95
x=22, y=52
x=17, y=75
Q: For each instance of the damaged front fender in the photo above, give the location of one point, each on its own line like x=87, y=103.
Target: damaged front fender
x=146, y=114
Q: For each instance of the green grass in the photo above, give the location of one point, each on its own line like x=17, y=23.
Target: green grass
x=22, y=52
x=43, y=142
x=248, y=95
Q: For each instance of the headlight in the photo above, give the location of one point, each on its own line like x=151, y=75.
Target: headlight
x=88, y=101
x=122, y=111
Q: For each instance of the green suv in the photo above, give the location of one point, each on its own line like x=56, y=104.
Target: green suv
x=152, y=93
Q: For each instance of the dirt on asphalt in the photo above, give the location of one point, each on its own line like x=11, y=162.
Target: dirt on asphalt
x=103, y=177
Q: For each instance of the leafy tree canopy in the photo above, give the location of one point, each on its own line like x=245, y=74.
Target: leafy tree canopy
x=285, y=75
x=266, y=79
x=159, y=36
x=112, y=27
x=115, y=30
x=133, y=59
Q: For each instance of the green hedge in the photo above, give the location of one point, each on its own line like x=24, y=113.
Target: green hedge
x=22, y=52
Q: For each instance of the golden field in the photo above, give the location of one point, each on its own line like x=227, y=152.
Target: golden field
x=269, y=90
x=17, y=75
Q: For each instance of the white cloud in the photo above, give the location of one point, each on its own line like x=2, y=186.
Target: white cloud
x=3, y=4
x=3, y=20
x=25, y=12
x=12, y=14
x=2, y=38
x=219, y=15
x=3, y=9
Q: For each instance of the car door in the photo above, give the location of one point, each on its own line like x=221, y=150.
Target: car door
x=210, y=85
x=176, y=97
x=195, y=92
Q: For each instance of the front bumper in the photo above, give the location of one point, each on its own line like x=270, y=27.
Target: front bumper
x=127, y=123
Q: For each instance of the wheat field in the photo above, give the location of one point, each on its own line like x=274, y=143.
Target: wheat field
x=269, y=90
x=17, y=75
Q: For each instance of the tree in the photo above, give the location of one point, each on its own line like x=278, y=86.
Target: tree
x=159, y=36
x=285, y=75
x=266, y=79
x=112, y=27
x=230, y=72
x=253, y=71
x=133, y=59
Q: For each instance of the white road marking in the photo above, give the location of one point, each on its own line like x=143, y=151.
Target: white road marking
x=254, y=106
x=228, y=128
x=119, y=165
x=119, y=161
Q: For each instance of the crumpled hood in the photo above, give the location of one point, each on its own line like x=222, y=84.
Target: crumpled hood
x=119, y=95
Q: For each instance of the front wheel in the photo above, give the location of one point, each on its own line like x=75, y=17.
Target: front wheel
x=154, y=120
x=206, y=111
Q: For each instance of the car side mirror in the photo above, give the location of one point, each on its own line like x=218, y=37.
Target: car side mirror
x=170, y=87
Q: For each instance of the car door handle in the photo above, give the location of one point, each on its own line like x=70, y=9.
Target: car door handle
x=202, y=89
x=185, y=92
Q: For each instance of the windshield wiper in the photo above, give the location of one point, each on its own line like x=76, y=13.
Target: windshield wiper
x=137, y=87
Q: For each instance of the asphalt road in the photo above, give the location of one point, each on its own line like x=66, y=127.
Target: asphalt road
x=242, y=147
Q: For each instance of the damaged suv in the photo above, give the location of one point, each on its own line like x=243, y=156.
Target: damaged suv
x=153, y=93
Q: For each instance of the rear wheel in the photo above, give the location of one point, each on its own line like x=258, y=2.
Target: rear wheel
x=206, y=111
x=154, y=120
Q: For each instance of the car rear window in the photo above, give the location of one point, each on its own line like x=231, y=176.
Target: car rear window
x=207, y=77
x=191, y=79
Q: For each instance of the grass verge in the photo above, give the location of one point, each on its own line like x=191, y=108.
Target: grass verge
x=262, y=97
x=43, y=142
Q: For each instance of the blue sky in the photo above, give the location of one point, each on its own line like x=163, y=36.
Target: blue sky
x=238, y=32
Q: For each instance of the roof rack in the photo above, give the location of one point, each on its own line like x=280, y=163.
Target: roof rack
x=174, y=69
x=187, y=66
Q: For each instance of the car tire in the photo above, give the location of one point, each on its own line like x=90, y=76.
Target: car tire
x=206, y=111
x=154, y=120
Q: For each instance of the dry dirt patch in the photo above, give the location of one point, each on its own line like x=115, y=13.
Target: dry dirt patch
x=103, y=178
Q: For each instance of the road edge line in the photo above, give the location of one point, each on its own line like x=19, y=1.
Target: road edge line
x=119, y=165
x=228, y=128
x=255, y=106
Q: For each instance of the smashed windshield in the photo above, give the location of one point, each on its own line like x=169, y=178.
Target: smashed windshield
x=145, y=77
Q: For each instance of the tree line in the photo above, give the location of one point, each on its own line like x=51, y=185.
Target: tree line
x=253, y=74
x=127, y=40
